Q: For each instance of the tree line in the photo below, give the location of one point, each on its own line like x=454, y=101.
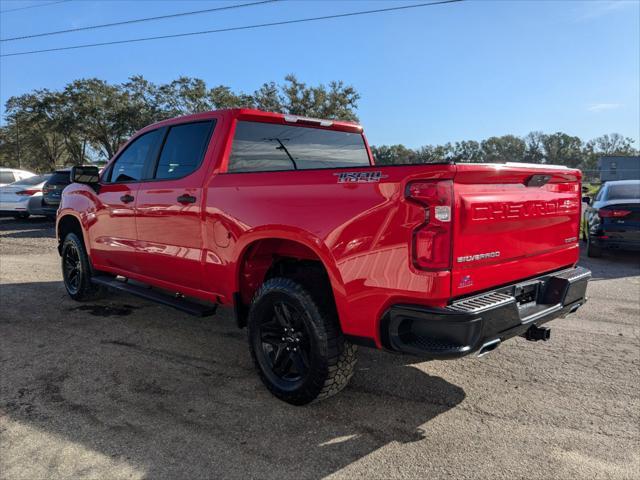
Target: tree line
x=89, y=119
x=537, y=147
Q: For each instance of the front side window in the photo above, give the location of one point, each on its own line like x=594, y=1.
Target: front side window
x=271, y=147
x=183, y=149
x=129, y=166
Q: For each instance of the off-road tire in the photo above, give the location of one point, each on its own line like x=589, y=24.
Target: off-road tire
x=83, y=289
x=331, y=357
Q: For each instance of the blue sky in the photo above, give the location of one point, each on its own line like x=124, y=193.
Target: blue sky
x=430, y=75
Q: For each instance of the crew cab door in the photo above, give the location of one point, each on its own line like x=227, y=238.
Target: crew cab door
x=169, y=208
x=113, y=230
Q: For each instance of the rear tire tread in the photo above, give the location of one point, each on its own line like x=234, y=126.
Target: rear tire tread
x=340, y=357
x=87, y=291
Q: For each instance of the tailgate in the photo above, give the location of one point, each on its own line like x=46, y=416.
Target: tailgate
x=512, y=222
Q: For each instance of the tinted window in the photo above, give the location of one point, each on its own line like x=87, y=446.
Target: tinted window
x=268, y=147
x=35, y=180
x=130, y=164
x=183, y=149
x=623, y=192
x=60, y=178
x=7, y=177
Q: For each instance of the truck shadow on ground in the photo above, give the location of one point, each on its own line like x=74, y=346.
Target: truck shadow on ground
x=34, y=227
x=173, y=397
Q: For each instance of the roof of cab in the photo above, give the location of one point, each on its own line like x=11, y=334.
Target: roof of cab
x=257, y=115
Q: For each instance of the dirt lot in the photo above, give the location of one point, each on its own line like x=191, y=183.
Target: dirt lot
x=123, y=388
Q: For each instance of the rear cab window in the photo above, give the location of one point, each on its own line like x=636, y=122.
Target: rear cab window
x=267, y=147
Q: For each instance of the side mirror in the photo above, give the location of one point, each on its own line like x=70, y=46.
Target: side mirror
x=586, y=200
x=87, y=174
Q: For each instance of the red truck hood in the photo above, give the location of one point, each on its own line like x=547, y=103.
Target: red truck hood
x=509, y=225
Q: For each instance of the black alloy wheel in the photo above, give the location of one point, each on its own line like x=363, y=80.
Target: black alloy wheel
x=296, y=343
x=285, y=342
x=76, y=270
x=72, y=269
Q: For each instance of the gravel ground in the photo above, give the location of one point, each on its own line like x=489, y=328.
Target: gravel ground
x=123, y=388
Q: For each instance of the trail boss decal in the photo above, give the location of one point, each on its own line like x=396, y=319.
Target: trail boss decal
x=360, y=177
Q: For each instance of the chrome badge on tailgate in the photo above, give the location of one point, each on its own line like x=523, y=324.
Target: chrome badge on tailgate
x=478, y=256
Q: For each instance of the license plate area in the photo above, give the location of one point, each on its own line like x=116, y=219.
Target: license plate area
x=527, y=294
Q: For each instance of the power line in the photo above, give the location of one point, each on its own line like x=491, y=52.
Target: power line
x=138, y=20
x=231, y=29
x=33, y=6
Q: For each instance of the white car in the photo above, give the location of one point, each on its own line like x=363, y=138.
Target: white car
x=10, y=175
x=18, y=199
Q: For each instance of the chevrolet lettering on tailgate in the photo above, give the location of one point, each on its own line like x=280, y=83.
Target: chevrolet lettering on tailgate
x=528, y=209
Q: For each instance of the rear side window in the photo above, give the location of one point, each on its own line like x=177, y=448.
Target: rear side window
x=270, y=147
x=183, y=149
x=7, y=177
x=129, y=166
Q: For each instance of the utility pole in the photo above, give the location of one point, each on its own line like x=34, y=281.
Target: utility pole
x=18, y=142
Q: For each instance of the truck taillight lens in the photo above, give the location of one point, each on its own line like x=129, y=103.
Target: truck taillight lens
x=604, y=213
x=431, y=249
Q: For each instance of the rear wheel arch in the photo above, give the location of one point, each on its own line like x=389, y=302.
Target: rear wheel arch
x=268, y=258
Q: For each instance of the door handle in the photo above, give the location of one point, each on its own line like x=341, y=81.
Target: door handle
x=127, y=198
x=186, y=198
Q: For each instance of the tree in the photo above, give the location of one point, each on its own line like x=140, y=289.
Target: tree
x=507, y=148
x=392, y=154
x=434, y=153
x=534, y=148
x=338, y=101
x=612, y=144
x=466, y=151
x=34, y=118
x=562, y=149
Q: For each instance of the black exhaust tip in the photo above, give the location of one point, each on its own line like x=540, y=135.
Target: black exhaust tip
x=535, y=333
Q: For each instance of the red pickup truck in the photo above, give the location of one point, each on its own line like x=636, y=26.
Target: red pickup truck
x=318, y=249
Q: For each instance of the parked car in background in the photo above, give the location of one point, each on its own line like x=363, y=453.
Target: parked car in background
x=11, y=175
x=52, y=191
x=22, y=198
x=612, y=220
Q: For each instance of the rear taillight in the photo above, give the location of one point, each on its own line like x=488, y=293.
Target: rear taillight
x=605, y=213
x=28, y=192
x=431, y=249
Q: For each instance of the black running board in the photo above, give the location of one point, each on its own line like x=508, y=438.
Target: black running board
x=179, y=303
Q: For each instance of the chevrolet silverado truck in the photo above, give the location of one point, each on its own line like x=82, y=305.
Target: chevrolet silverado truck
x=319, y=250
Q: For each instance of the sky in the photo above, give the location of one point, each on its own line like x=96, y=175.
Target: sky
x=460, y=71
